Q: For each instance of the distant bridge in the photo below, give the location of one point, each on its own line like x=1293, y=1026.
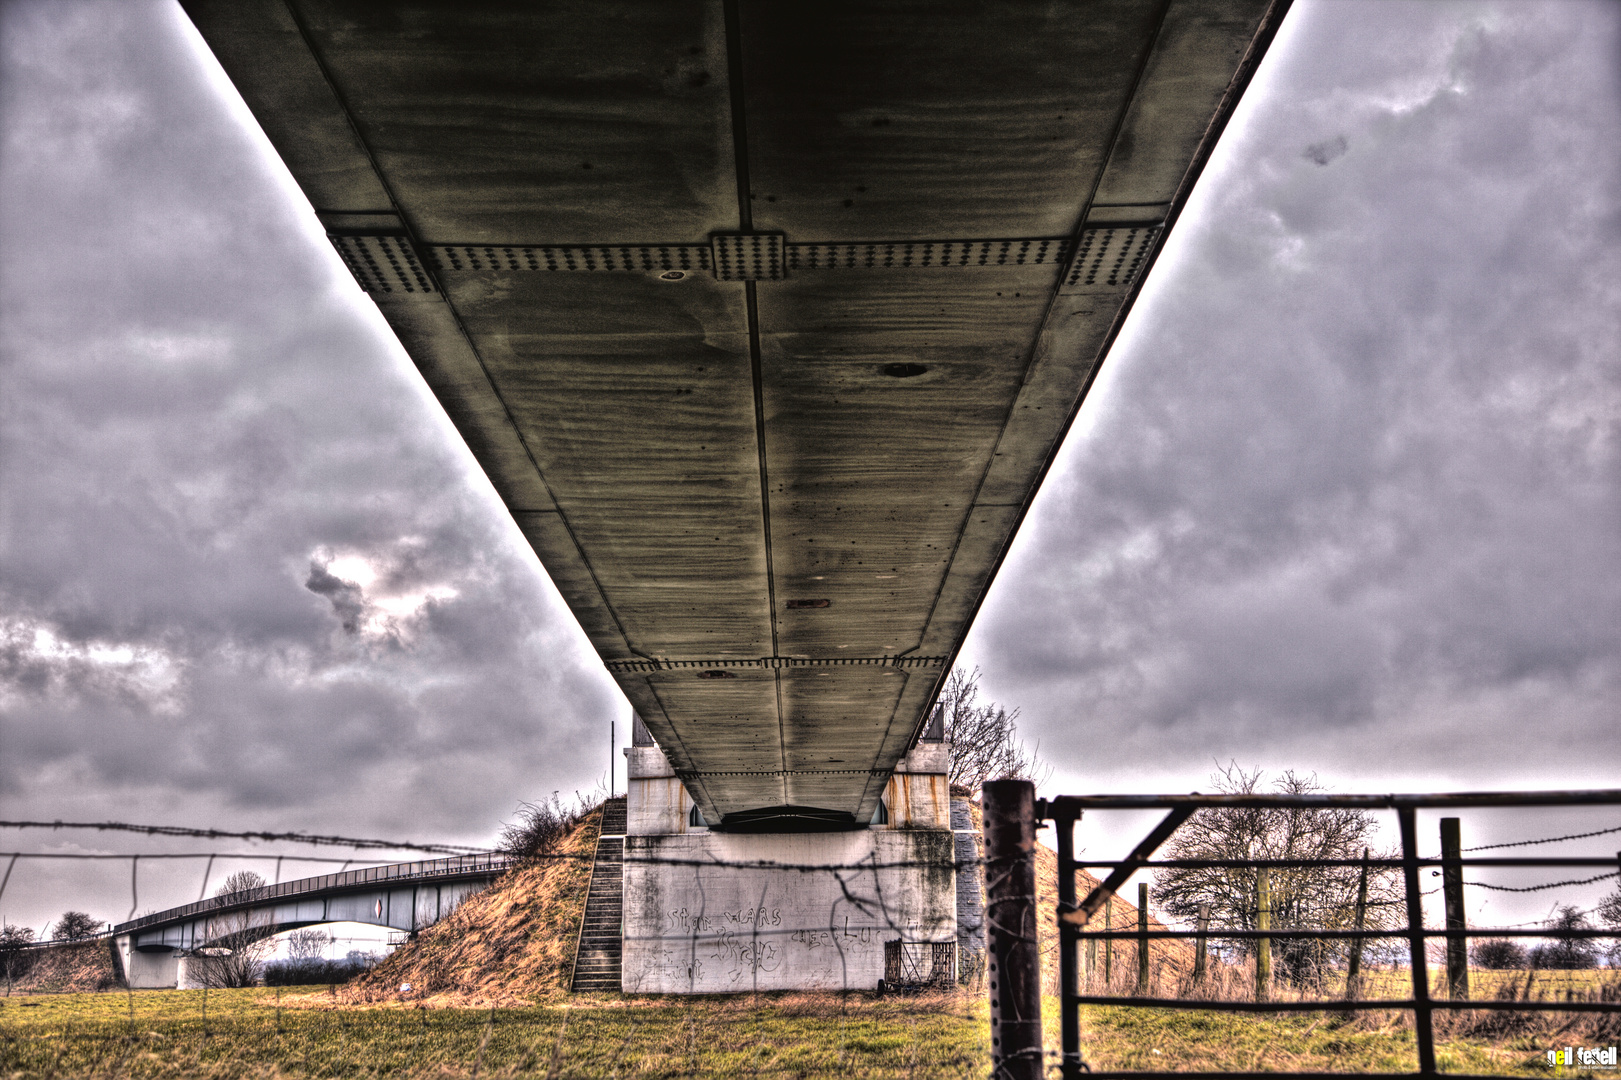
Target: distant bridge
x=400, y=896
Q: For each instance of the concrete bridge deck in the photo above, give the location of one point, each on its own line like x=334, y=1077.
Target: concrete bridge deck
x=764, y=319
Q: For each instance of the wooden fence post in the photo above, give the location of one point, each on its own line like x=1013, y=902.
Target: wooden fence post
x=1203, y=927
x=1142, y=939
x=1108, y=946
x=1353, y=967
x=1010, y=913
x=1263, y=921
x=1452, y=894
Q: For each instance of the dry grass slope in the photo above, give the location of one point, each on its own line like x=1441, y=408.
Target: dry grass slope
x=70, y=969
x=511, y=945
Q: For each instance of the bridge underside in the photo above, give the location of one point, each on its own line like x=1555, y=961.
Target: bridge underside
x=764, y=319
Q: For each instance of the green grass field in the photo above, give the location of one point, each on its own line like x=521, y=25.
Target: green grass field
x=245, y=1034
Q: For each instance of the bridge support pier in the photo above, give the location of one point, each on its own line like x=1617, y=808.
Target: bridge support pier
x=720, y=912
x=150, y=968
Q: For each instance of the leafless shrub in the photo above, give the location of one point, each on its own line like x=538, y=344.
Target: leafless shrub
x=1498, y=954
x=539, y=827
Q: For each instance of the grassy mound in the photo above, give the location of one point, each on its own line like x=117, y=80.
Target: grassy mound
x=70, y=969
x=512, y=944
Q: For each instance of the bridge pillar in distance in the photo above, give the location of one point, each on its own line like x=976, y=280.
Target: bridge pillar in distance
x=150, y=968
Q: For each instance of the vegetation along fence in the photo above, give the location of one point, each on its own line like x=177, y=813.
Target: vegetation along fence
x=1384, y=885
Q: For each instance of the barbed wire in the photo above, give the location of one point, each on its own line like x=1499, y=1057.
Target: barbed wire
x=356, y=842
x=1541, y=888
x=1546, y=840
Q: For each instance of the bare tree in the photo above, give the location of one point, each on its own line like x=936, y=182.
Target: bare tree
x=984, y=738
x=14, y=955
x=1609, y=913
x=1566, y=951
x=241, y=881
x=76, y=926
x=1306, y=898
x=239, y=943
x=308, y=944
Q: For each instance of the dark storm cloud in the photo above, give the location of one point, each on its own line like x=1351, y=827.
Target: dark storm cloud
x=1348, y=498
x=251, y=576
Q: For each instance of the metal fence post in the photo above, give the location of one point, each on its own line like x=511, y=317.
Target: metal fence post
x=1423, y=1029
x=1452, y=893
x=1010, y=913
x=1068, y=950
x=1142, y=939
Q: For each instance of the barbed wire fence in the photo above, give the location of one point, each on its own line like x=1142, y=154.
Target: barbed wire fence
x=495, y=1027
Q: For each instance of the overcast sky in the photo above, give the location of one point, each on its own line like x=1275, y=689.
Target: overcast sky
x=1346, y=499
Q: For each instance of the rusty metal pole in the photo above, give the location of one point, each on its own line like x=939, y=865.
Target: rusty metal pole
x=1452, y=894
x=1423, y=1027
x=1010, y=910
x=1068, y=952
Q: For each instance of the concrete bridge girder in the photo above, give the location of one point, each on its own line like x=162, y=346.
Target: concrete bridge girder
x=764, y=320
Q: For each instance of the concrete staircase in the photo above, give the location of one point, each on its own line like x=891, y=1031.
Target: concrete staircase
x=596, y=956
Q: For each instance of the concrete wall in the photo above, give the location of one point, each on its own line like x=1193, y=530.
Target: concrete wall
x=703, y=929
x=970, y=849
x=709, y=912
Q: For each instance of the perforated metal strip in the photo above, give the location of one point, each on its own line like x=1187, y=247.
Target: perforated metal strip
x=777, y=662
x=576, y=258
x=1110, y=257
x=384, y=263
x=905, y=254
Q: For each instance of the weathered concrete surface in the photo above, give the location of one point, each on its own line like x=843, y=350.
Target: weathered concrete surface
x=774, y=493
x=711, y=912
x=692, y=928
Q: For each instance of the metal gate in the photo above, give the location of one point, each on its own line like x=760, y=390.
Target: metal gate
x=1013, y=814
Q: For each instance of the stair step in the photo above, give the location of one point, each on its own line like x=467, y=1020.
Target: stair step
x=600, y=946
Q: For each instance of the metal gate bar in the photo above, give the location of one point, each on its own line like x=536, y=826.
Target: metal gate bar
x=1012, y=813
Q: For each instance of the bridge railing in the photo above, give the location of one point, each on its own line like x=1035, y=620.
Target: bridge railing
x=488, y=862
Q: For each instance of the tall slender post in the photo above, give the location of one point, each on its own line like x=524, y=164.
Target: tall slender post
x=1010, y=910
x=1452, y=893
x=1108, y=946
x=1422, y=1028
x=1203, y=945
x=1068, y=951
x=1353, y=966
x=1091, y=961
x=613, y=740
x=1263, y=921
x=1142, y=939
